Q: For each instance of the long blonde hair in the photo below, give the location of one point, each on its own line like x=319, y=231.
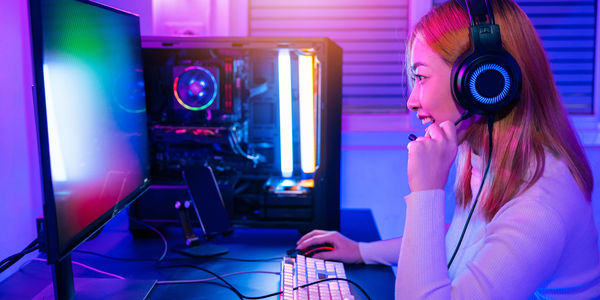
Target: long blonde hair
x=537, y=122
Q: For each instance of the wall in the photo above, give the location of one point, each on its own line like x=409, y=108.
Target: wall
x=20, y=200
x=199, y=17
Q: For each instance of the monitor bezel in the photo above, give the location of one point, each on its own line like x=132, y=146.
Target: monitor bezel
x=53, y=249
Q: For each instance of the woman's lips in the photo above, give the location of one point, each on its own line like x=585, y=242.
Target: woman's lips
x=426, y=119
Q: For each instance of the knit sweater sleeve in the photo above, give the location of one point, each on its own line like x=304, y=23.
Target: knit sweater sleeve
x=521, y=249
x=387, y=251
x=380, y=252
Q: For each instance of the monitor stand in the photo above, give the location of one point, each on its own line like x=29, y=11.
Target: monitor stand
x=194, y=247
x=64, y=287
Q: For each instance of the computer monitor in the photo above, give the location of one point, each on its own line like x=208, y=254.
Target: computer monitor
x=91, y=118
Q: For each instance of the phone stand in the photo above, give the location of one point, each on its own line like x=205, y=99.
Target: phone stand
x=194, y=246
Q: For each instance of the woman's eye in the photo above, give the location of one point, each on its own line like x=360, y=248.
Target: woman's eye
x=417, y=78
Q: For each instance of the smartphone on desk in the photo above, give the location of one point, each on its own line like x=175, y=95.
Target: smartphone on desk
x=207, y=201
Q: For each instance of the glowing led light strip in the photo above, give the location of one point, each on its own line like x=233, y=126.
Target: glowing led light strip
x=307, y=118
x=285, y=113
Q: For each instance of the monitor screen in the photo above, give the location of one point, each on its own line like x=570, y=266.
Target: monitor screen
x=91, y=116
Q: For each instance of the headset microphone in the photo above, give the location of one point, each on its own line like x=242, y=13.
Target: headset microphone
x=463, y=117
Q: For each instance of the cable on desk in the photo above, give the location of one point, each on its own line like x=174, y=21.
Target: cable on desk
x=82, y=265
x=112, y=257
x=231, y=287
x=9, y=261
x=330, y=279
x=176, y=259
x=312, y=283
x=149, y=294
x=166, y=247
x=269, y=295
x=157, y=232
x=251, y=259
x=213, y=278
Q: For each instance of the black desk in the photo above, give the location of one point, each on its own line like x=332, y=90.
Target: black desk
x=244, y=243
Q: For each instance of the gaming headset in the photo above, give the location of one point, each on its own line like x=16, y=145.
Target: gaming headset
x=486, y=78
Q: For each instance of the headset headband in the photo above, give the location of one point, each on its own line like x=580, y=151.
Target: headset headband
x=484, y=32
x=478, y=11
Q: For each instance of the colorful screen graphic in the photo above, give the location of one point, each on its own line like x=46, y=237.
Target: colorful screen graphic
x=95, y=112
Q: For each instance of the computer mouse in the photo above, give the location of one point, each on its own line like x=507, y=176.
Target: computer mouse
x=314, y=249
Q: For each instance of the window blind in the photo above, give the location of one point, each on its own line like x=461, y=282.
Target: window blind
x=568, y=33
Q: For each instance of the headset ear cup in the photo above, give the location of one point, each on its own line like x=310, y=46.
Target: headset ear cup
x=457, y=77
x=486, y=82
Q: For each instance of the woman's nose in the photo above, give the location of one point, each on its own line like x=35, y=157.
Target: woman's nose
x=412, y=103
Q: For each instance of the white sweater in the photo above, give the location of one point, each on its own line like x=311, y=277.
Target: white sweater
x=542, y=244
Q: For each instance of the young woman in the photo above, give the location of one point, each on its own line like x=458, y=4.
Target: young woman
x=532, y=233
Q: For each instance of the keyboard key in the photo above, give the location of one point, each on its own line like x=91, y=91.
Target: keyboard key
x=302, y=270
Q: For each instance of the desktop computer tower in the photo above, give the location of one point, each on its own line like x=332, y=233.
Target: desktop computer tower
x=263, y=113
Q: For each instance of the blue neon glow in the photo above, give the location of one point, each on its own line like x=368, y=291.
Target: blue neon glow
x=285, y=113
x=476, y=93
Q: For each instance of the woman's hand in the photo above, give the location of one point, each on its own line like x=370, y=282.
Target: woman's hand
x=430, y=157
x=344, y=249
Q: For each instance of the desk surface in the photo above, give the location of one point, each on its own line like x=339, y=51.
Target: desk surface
x=250, y=244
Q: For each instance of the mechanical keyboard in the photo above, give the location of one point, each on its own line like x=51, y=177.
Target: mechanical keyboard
x=301, y=270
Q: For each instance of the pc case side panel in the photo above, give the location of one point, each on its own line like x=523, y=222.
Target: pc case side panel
x=327, y=181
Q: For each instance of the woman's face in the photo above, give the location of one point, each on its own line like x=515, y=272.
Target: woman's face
x=431, y=97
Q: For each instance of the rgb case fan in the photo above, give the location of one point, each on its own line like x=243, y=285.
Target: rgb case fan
x=196, y=87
